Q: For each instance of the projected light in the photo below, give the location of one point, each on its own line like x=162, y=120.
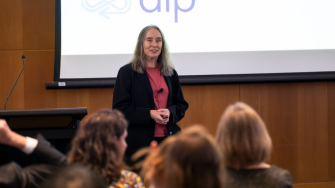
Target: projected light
x=205, y=37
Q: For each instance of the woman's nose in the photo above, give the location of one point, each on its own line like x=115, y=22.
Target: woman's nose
x=154, y=43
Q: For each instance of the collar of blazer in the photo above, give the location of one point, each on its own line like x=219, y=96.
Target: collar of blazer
x=145, y=81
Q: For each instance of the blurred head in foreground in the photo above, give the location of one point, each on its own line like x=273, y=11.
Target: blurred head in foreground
x=242, y=137
x=75, y=176
x=187, y=160
x=100, y=143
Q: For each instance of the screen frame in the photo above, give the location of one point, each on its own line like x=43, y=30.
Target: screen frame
x=184, y=80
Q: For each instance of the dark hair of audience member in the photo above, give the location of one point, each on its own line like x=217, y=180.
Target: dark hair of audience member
x=75, y=176
x=95, y=145
x=242, y=137
x=188, y=160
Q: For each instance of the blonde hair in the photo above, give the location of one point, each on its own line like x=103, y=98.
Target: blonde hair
x=242, y=137
x=188, y=160
x=138, y=61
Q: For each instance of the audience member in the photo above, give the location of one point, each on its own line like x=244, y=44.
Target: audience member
x=246, y=145
x=190, y=159
x=75, y=176
x=50, y=160
x=100, y=145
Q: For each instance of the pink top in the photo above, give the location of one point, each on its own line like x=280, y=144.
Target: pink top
x=157, y=82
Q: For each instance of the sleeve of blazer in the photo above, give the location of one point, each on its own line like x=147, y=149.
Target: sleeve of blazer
x=10, y=175
x=49, y=159
x=122, y=98
x=45, y=153
x=180, y=105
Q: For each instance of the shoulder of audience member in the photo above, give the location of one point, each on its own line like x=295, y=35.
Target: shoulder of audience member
x=281, y=174
x=128, y=179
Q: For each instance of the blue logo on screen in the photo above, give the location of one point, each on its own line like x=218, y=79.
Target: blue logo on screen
x=107, y=7
x=176, y=8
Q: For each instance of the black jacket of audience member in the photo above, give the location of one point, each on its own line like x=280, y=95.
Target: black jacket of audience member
x=273, y=177
x=133, y=96
x=50, y=161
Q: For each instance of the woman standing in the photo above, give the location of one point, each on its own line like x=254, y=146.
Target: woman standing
x=148, y=92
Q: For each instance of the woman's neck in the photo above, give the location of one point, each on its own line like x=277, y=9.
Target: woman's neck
x=151, y=62
x=257, y=166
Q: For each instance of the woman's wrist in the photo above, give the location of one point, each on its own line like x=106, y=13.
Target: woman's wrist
x=17, y=140
x=152, y=114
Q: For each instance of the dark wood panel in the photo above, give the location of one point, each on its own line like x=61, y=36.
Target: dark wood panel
x=312, y=132
x=69, y=98
x=11, y=24
x=38, y=24
x=193, y=115
x=100, y=98
x=315, y=185
x=296, y=115
x=277, y=105
x=331, y=130
x=10, y=67
x=207, y=103
x=38, y=71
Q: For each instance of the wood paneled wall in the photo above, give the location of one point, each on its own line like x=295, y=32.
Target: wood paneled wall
x=300, y=116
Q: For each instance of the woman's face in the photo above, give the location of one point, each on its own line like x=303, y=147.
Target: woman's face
x=122, y=142
x=152, y=44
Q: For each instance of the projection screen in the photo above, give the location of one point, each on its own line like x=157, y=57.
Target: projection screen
x=225, y=40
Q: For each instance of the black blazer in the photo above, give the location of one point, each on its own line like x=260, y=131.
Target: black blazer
x=49, y=159
x=133, y=96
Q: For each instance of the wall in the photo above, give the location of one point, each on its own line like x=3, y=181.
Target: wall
x=300, y=116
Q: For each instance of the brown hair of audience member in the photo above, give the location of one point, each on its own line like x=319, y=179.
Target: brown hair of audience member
x=188, y=160
x=95, y=145
x=242, y=137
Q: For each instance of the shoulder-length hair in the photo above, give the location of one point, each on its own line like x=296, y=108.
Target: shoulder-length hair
x=95, y=145
x=164, y=61
x=188, y=160
x=242, y=137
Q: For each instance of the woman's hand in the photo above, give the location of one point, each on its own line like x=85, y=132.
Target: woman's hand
x=5, y=133
x=164, y=113
x=159, y=117
x=8, y=137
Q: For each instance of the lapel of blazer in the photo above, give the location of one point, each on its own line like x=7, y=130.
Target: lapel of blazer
x=145, y=81
x=169, y=84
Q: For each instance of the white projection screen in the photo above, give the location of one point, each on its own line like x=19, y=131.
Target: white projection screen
x=210, y=41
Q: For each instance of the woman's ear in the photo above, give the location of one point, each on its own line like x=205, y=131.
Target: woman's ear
x=115, y=138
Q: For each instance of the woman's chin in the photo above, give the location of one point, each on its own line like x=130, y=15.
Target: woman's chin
x=152, y=56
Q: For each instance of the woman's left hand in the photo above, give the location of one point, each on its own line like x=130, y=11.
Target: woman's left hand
x=165, y=114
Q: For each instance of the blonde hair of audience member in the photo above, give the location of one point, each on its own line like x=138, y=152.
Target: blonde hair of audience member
x=243, y=138
x=190, y=159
